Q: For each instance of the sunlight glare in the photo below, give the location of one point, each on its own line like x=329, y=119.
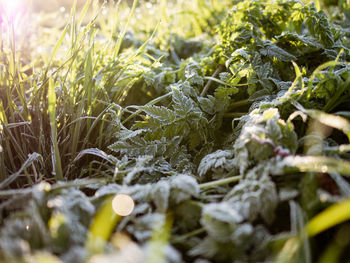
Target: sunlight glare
x=12, y=7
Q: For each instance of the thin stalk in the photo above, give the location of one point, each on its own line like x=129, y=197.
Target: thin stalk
x=121, y=36
x=207, y=86
x=233, y=179
x=152, y=102
x=13, y=49
x=2, y=163
x=17, y=147
x=76, y=131
x=53, y=123
x=188, y=235
x=94, y=124
x=3, y=122
x=89, y=83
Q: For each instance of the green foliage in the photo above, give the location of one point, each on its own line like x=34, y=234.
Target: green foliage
x=227, y=123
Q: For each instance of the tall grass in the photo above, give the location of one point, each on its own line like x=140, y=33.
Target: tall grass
x=58, y=107
x=64, y=91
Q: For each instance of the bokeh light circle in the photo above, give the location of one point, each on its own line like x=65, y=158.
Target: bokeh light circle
x=123, y=204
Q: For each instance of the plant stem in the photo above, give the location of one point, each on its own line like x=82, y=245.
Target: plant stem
x=188, y=235
x=207, y=86
x=233, y=179
x=152, y=102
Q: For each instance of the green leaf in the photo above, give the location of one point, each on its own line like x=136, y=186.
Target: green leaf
x=273, y=51
x=160, y=195
x=183, y=187
x=55, y=152
x=163, y=114
x=220, y=220
x=215, y=160
x=297, y=227
x=31, y=159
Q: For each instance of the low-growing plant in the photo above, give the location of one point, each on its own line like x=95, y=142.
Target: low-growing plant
x=229, y=128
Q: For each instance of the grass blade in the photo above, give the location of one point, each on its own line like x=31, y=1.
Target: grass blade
x=31, y=158
x=318, y=164
x=121, y=36
x=330, y=217
x=331, y=120
x=344, y=186
x=83, y=12
x=297, y=226
x=88, y=85
x=56, y=158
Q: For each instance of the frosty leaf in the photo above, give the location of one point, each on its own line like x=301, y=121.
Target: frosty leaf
x=172, y=255
x=160, y=195
x=273, y=131
x=273, y=51
x=139, y=192
x=192, y=73
x=207, y=104
x=242, y=234
x=184, y=104
x=319, y=26
x=251, y=198
x=31, y=159
x=286, y=194
x=183, y=187
x=143, y=226
x=220, y=220
x=238, y=53
x=207, y=248
x=215, y=160
x=108, y=189
x=300, y=39
x=141, y=165
x=96, y=152
x=162, y=114
x=261, y=135
x=139, y=146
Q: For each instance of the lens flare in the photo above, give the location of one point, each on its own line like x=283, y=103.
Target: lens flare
x=12, y=7
x=13, y=15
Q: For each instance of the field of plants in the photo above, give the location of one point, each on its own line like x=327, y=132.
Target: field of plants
x=227, y=122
